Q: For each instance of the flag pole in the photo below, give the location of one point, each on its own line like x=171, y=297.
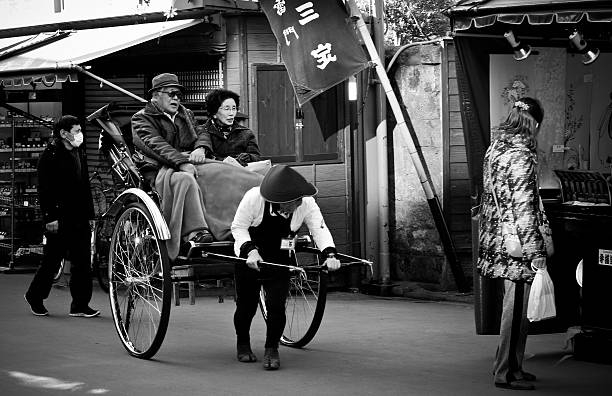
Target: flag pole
x=405, y=136
x=382, y=179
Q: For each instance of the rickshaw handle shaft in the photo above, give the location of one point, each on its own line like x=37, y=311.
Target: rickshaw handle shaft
x=291, y=267
x=340, y=255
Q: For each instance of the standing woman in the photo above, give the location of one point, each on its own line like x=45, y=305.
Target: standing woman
x=511, y=194
x=228, y=137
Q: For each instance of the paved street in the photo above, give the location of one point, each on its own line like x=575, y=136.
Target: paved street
x=365, y=346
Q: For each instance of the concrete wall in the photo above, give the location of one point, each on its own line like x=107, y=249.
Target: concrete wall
x=417, y=253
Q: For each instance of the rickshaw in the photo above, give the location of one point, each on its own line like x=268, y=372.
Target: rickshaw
x=141, y=276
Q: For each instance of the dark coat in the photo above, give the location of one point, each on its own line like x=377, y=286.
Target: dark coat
x=513, y=173
x=239, y=140
x=63, y=188
x=163, y=142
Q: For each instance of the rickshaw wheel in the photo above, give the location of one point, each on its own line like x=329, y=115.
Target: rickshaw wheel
x=101, y=237
x=305, y=303
x=140, y=283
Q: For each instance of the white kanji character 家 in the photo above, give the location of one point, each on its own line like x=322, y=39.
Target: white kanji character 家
x=323, y=55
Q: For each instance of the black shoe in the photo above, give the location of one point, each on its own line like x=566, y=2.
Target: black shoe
x=87, y=312
x=37, y=307
x=271, y=360
x=525, y=376
x=203, y=236
x=245, y=354
x=516, y=385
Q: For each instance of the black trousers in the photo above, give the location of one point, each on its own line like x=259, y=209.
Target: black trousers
x=248, y=285
x=75, y=246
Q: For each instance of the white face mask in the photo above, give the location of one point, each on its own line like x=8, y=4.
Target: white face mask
x=77, y=139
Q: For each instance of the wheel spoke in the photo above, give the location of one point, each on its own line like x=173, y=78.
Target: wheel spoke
x=139, y=283
x=305, y=303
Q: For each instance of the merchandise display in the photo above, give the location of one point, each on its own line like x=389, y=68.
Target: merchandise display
x=22, y=141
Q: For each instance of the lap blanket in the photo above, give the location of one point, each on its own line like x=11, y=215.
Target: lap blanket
x=222, y=187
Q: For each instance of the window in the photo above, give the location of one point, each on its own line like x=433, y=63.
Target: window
x=288, y=134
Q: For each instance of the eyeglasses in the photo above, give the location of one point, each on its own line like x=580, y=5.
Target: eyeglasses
x=227, y=108
x=172, y=94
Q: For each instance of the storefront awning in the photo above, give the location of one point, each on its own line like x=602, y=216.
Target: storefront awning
x=482, y=13
x=59, y=59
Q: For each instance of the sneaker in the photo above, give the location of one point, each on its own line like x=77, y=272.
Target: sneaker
x=36, y=307
x=84, y=313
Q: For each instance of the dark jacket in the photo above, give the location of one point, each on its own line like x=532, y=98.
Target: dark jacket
x=163, y=142
x=513, y=167
x=63, y=185
x=239, y=140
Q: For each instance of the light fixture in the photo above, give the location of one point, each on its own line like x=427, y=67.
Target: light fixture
x=521, y=51
x=32, y=93
x=352, y=88
x=589, y=55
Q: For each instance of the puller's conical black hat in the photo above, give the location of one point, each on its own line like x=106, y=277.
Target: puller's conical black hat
x=283, y=184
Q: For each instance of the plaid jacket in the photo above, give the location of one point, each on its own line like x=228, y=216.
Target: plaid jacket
x=510, y=168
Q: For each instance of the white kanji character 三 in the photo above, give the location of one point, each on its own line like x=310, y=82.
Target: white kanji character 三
x=307, y=13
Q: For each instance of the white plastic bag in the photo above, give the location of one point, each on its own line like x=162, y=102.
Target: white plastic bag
x=541, y=303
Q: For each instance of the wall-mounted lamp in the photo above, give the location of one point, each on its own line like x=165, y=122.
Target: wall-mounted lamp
x=32, y=93
x=589, y=55
x=352, y=88
x=521, y=51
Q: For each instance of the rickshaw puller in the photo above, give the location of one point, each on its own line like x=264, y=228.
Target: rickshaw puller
x=264, y=227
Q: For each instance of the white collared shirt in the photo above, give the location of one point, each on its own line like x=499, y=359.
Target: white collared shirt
x=250, y=214
x=171, y=116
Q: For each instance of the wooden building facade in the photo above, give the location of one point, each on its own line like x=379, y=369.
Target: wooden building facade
x=248, y=63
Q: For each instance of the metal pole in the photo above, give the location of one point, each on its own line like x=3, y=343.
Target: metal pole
x=406, y=138
x=384, y=266
x=225, y=256
x=12, y=256
x=110, y=84
x=397, y=111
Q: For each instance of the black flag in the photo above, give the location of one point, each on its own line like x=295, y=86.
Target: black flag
x=318, y=44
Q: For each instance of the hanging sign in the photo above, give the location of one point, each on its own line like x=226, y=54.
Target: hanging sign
x=318, y=44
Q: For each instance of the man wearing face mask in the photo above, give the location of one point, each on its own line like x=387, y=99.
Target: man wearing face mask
x=68, y=213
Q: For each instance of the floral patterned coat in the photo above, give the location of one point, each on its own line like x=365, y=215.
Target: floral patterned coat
x=510, y=165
